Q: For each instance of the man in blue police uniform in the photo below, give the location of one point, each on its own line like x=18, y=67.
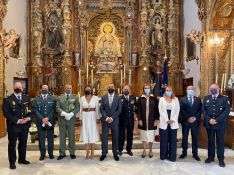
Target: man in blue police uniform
x=216, y=110
x=126, y=120
x=45, y=107
x=17, y=111
x=191, y=108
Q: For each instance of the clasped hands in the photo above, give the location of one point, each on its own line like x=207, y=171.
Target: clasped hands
x=140, y=123
x=45, y=121
x=109, y=120
x=67, y=116
x=23, y=120
x=212, y=121
x=191, y=119
x=170, y=122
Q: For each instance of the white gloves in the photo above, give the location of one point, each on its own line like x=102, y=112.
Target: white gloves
x=67, y=116
x=49, y=124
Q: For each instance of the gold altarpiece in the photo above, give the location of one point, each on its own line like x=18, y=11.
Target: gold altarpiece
x=100, y=41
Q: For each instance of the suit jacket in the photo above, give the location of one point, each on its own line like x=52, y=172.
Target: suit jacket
x=13, y=110
x=218, y=109
x=70, y=105
x=128, y=110
x=45, y=108
x=113, y=111
x=153, y=112
x=164, y=115
x=187, y=110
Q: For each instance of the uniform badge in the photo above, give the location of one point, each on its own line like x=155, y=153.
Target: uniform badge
x=207, y=101
x=13, y=102
x=220, y=109
x=132, y=102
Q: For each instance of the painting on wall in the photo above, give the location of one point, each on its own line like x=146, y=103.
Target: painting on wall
x=190, y=43
x=12, y=43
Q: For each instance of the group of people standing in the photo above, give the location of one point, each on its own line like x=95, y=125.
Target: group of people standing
x=116, y=113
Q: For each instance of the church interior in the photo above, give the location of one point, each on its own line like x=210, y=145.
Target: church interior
x=96, y=42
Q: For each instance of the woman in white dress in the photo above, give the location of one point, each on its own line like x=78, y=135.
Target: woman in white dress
x=89, y=113
x=147, y=113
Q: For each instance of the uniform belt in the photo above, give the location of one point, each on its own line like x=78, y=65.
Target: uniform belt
x=89, y=109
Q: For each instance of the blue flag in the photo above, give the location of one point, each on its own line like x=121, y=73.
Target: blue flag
x=164, y=78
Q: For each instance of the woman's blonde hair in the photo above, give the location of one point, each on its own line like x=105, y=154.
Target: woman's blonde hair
x=170, y=87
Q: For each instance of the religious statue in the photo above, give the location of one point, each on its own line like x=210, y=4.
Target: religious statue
x=54, y=33
x=157, y=35
x=156, y=74
x=11, y=43
x=191, y=40
x=231, y=82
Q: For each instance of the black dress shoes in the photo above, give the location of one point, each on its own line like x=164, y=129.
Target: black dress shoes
x=60, y=157
x=42, y=157
x=102, y=157
x=221, y=163
x=116, y=158
x=182, y=156
x=209, y=160
x=73, y=156
x=12, y=166
x=51, y=156
x=130, y=153
x=196, y=157
x=25, y=162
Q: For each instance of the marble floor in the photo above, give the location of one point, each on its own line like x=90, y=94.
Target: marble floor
x=126, y=166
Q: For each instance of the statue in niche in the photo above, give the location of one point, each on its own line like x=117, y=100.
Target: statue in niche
x=11, y=42
x=157, y=35
x=156, y=74
x=54, y=33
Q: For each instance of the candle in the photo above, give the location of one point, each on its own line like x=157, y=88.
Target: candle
x=216, y=78
x=124, y=74
x=79, y=76
x=118, y=91
x=87, y=74
x=225, y=80
x=222, y=83
x=93, y=90
x=121, y=77
x=92, y=77
x=130, y=76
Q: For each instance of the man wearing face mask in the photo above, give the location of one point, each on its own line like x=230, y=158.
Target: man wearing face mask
x=17, y=111
x=190, y=107
x=67, y=106
x=111, y=107
x=45, y=108
x=126, y=120
x=216, y=109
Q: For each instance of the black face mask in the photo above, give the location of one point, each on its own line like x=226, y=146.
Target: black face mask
x=87, y=92
x=17, y=90
x=111, y=91
x=125, y=92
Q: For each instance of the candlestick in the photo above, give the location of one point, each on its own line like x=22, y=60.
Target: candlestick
x=222, y=83
x=124, y=73
x=87, y=74
x=216, y=78
x=121, y=77
x=118, y=91
x=225, y=80
x=130, y=77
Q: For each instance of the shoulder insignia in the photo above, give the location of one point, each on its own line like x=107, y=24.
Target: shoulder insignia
x=207, y=101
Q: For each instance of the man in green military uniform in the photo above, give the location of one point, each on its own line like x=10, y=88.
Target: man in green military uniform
x=67, y=108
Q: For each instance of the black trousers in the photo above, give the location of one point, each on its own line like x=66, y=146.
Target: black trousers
x=43, y=134
x=22, y=137
x=122, y=136
x=218, y=137
x=185, y=134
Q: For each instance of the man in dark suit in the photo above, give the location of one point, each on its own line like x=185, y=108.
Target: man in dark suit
x=17, y=111
x=110, y=109
x=126, y=120
x=190, y=107
x=216, y=109
x=45, y=107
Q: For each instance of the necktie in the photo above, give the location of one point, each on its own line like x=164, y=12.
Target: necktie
x=19, y=98
x=214, y=98
x=190, y=101
x=67, y=97
x=110, y=100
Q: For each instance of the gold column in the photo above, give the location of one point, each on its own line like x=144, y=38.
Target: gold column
x=3, y=10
